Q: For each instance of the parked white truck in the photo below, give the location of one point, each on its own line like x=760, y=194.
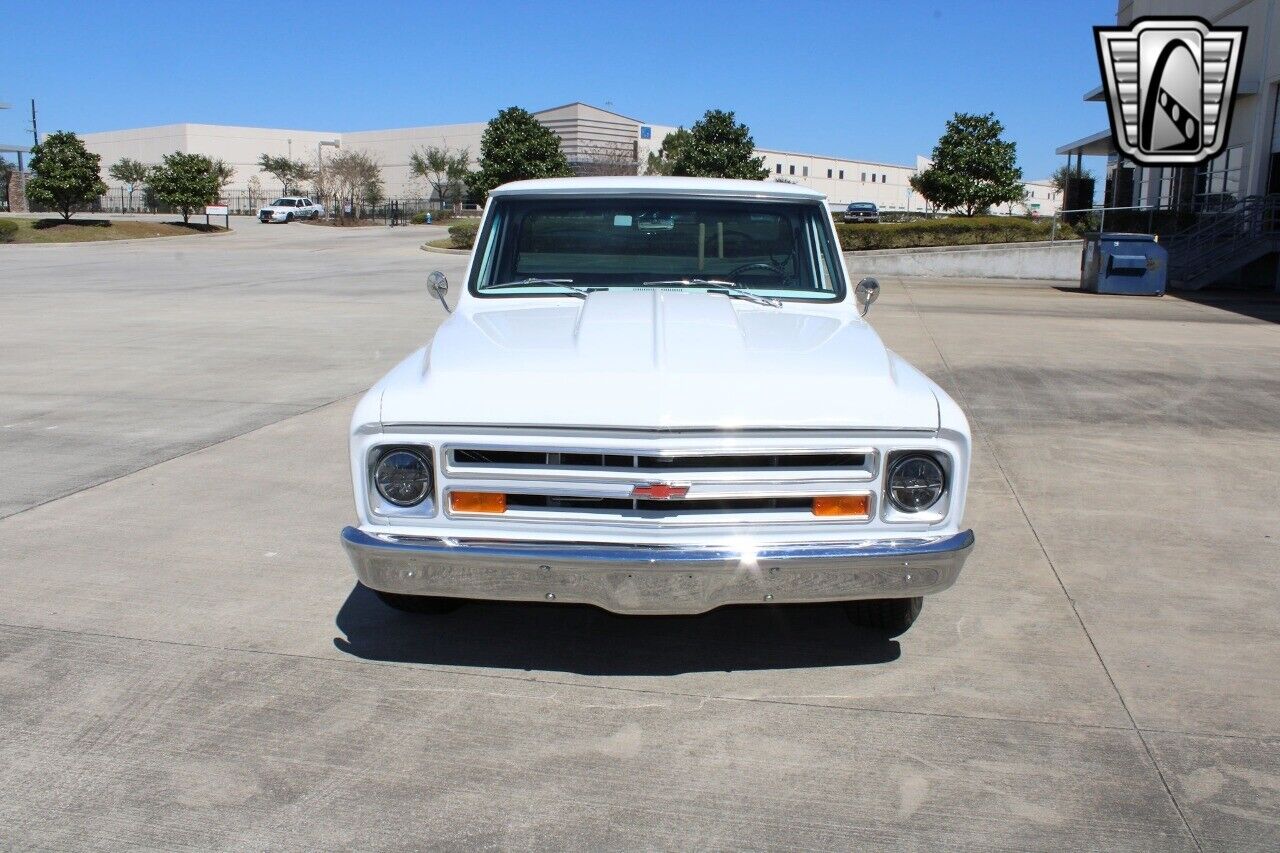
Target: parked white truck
x=658, y=396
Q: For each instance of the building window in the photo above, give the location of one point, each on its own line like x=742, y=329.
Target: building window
x=1218, y=181
x=828, y=173
x=842, y=174
x=779, y=168
x=873, y=177
x=806, y=171
x=884, y=179
x=864, y=177
x=793, y=170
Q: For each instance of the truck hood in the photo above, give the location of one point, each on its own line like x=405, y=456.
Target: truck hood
x=653, y=359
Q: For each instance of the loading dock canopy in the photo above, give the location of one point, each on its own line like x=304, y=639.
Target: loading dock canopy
x=1094, y=145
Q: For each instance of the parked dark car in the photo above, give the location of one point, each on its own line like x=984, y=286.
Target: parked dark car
x=861, y=211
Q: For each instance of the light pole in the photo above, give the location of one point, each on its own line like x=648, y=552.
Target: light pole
x=332, y=143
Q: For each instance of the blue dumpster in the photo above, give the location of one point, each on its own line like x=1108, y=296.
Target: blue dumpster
x=1123, y=263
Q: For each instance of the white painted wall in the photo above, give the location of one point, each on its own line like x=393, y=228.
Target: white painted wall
x=580, y=127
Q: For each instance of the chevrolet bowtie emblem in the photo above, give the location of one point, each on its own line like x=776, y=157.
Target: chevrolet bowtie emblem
x=659, y=491
x=1170, y=84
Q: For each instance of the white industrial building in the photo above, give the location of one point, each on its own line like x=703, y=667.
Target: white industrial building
x=594, y=140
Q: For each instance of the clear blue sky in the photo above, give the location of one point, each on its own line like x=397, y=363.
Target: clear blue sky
x=859, y=79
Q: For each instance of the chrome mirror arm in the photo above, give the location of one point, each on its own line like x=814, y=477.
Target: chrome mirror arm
x=438, y=286
x=867, y=292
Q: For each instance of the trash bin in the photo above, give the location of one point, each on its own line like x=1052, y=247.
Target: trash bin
x=1123, y=263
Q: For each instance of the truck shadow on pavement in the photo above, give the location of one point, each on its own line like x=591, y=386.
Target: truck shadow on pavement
x=588, y=641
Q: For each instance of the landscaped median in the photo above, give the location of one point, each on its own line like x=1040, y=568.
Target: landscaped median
x=29, y=230
x=462, y=236
x=951, y=231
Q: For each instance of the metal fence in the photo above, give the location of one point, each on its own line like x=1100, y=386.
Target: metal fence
x=1162, y=220
x=244, y=203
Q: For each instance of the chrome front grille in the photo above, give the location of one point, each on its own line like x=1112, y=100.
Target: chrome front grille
x=725, y=484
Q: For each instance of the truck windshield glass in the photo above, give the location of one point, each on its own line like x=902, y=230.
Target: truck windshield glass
x=773, y=249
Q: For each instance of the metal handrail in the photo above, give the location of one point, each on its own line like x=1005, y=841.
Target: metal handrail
x=1101, y=210
x=1208, y=243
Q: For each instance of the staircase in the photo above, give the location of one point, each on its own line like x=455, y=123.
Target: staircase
x=1224, y=241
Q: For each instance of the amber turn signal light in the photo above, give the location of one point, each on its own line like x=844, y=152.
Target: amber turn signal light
x=494, y=502
x=846, y=505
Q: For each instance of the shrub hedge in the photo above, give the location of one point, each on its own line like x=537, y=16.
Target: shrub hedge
x=463, y=233
x=952, y=231
x=8, y=230
x=438, y=217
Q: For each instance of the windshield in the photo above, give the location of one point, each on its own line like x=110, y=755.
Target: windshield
x=774, y=249
x=862, y=205
x=282, y=202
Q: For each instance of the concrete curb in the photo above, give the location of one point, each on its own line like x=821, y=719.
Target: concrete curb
x=427, y=248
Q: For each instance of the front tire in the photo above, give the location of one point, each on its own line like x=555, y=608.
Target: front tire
x=421, y=604
x=288, y=217
x=893, y=616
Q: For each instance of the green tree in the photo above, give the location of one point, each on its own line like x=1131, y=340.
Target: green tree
x=443, y=169
x=6, y=169
x=973, y=167
x=355, y=177
x=185, y=181
x=288, y=172
x=129, y=172
x=516, y=147
x=225, y=172
x=718, y=147
x=663, y=161
x=1063, y=174
x=65, y=174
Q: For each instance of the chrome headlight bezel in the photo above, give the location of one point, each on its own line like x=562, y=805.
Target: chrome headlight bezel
x=934, y=512
x=383, y=503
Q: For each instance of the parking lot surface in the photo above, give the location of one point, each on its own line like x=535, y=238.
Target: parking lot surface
x=185, y=659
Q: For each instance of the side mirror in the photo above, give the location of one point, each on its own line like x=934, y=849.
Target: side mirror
x=438, y=286
x=867, y=292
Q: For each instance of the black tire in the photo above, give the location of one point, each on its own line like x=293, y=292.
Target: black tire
x=288, y=217
x=427, y=604
x=890, y=615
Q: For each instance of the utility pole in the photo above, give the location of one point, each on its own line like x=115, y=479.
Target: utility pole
x=35, y=134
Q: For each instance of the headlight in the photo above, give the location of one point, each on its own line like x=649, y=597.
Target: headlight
x=915, y=482
x=403, y=477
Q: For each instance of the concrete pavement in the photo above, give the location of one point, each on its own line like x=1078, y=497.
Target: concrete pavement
x=186, y=662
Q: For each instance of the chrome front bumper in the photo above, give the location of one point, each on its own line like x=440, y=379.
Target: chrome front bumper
x=646, y=579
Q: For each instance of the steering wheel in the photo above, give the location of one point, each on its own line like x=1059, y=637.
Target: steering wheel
x=759, y=265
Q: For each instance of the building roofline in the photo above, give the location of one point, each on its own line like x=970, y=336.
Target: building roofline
x=832, y=157
x=593, y=106
x=1094, y=145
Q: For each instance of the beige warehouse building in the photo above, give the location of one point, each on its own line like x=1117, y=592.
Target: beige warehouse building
x=595, y=140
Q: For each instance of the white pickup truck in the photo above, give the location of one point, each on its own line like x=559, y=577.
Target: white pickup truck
x=289, y=208
x=658, y=396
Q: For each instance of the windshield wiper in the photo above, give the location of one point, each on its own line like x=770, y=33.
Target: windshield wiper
x=562, y=283
x=720, y=285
